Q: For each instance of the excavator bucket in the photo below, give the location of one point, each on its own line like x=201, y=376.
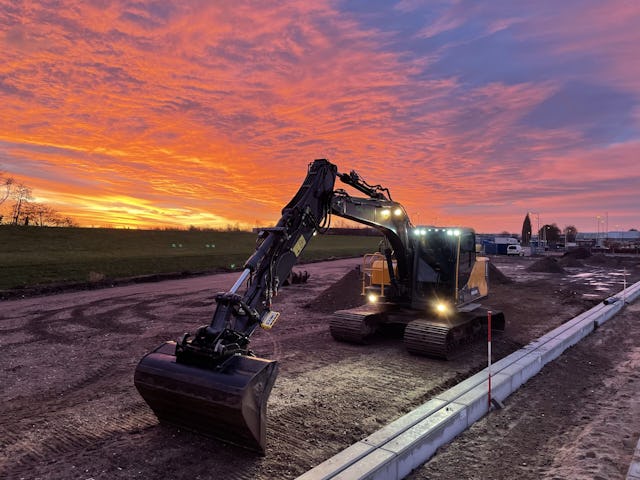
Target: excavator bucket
x=229, y=404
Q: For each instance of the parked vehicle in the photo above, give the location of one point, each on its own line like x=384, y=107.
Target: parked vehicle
x=515, y=250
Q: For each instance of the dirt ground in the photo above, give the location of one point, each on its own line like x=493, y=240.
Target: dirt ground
x=70, y=409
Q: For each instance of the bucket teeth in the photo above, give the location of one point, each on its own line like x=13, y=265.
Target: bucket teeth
x=228, y=404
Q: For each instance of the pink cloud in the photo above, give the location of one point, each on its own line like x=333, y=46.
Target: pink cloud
x=210, y=112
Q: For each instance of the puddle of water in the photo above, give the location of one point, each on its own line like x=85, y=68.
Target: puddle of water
x=618, y=274
x=583, y=275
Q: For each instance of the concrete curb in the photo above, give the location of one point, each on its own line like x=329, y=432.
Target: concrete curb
x=634, y=468
x=406, y=443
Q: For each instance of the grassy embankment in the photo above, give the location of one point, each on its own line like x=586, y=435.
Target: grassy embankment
x=35, y=256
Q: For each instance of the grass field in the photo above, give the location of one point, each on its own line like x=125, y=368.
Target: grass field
x=35, y=255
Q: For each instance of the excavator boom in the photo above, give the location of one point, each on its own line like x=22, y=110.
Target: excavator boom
x=210, y=381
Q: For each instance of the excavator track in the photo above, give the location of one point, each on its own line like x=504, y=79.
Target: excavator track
x=354, y=326
x=423, y=337
x=441, y=340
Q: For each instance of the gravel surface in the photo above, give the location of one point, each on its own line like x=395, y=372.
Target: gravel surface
x=577, y=419
x=71, y=410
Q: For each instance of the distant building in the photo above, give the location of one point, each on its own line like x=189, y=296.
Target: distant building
x=615, y=241
x=631, y=236
x=491, y=244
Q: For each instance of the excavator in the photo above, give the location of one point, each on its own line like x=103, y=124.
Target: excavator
x=427, y=279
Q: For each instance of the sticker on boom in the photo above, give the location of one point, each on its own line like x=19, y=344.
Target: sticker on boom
x=269, y=319
x=299, y=245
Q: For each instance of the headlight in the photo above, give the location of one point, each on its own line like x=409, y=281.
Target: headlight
x=442, y=308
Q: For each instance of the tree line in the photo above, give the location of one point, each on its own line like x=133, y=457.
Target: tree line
x=24, y=209
x=549, y=232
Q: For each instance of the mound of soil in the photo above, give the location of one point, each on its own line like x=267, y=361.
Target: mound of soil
x=546, y=265
x=570, y=262
x=343, y=294
x=497, y=277
x=577, y=253
x=347, y=292
x=601, y=259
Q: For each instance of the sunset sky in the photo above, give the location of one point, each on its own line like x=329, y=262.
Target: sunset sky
x=207, y=113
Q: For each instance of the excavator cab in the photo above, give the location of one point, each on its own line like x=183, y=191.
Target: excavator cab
x=444, y=262
x=445, y=266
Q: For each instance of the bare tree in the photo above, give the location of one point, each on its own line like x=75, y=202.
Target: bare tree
x=22, y=195
x=6, y=186
x=27, y=212
x=66, y=222
x=39, y=214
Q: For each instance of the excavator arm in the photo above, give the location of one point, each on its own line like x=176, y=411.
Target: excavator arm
x=210, y=381
x=237, y=316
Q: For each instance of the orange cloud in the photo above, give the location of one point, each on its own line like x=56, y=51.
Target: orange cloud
x=207, y=113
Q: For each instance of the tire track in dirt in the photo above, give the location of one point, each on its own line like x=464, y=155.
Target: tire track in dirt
x=50, y=427
x=55, y=396
x=60, y=438
x=43, y=327
x=327, y=396
x=40, y=430
x=27, y=452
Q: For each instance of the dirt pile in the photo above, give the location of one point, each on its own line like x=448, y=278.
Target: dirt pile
x=546, y=265
x=496, y=277
x=570, y=262
x=600, y=259
x=343, y=294
x=579, y=253
x=619, y=262
x=572, y=257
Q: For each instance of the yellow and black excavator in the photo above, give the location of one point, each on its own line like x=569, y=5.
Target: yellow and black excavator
x=426, y=278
